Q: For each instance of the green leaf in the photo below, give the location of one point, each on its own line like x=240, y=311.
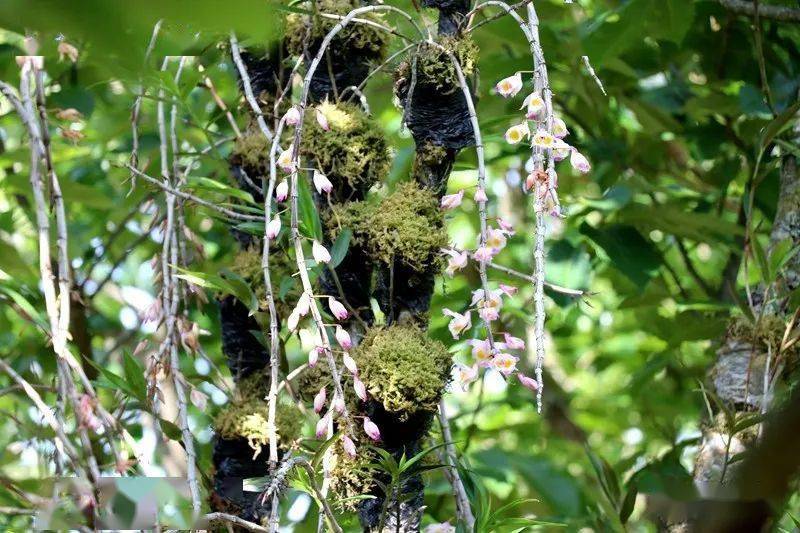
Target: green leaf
x=310, y=224
x=12, y=263
x=339, y=248
x=116, y=381
x=134, y=373
x=628, y=503
x=172, y=431
x=777, y=125
x=319, y=455
x=235, y=285
x=212, y=185
x=124, y=509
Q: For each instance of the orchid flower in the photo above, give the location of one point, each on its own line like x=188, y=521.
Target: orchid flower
x=292, y=321
x=457, y=261
x=337, y=309
x=371, y=429
x=515, y=134
x=481, y=351
x=561, y=150
x=322, y=120
x=292, y=117
x=322, y=426
x=466, y=375
x=338, y=404
x=579, y=162
x=319, y=400
x=514, y=343
x=535, y=107
x=322, y=183
x=559, y=128
x=451, y=201
x=495, y=239
x=282, y=191
x=459, y=322
x=313, y=356
x=303, y=305
x=343, y=338
x=527, y=382
x=350, y=363
x=508, y=290
x=483, y=254
x=505, y=226
x=360, y=388
x=480, y=195
x=488, y=308
x=543, y=139
x=505, y=363
x=285, y=160
x=320, y=253
x=349, y=446
x=510, y=86
x=273, y=228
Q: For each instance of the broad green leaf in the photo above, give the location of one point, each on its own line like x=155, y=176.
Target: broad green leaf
x=310, y=224
x=339, y=248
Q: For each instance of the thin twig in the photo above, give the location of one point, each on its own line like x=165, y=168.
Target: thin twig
x=532, y=279
x=137, y=104
x=248, y=88
x=196, y=199
x=593, y=74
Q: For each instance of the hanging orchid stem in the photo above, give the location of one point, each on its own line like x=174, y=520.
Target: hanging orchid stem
x=273, y=325
x=473, y=117
x=301, y=107
x=542, y=84
x=57, y=304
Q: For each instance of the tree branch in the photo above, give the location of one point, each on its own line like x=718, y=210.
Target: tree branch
x=779, y=13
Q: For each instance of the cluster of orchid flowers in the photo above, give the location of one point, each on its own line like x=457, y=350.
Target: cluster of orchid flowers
x=487, y=303
x=321, y=256
x=489, y=353
x=541, y=137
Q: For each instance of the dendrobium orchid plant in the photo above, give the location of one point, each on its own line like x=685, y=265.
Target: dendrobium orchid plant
x=545, y=134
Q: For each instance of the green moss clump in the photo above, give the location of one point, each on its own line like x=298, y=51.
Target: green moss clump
x=770, y=331
x=403, y=369
x=407, y=225
x=247, y=416
x=434, y=66
x=252, y=152
x=303, y=29
x=351, y=477
x=353, y=151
